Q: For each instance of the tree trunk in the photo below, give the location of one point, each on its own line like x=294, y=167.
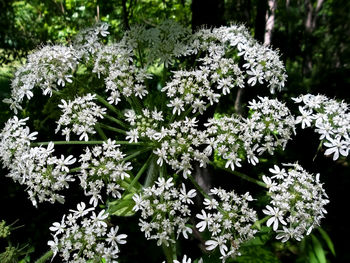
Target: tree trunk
x=270, y=21
x=310, y=25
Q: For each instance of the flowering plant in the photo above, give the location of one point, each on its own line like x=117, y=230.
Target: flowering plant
x=137, y=132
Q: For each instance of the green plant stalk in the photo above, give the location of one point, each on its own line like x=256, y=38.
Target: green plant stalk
x=318, y=149
x=198, y=113
x=138, y=175
x=66, y=143
x=241, y=175
x=137, y=104
x=136, y=154
x=132, y=143
x=107, y=127
x=45, y=257
x=168, y=251
x=200, y=189
x=100, y=132
x=151, y=173
x=258, y=223
x=115, y=120
x=140, y=55
x=109, y=106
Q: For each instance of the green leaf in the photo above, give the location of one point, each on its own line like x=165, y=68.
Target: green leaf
x=123, y=206
x=260, y=238
x=256, y=254
x=152, y=172
x=312, y=257
x=327, y=239
x=318, y=250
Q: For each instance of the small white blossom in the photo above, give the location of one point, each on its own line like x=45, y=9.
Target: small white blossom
x=166, y=212
x=297, y=202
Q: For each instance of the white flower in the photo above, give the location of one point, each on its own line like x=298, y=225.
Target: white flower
x=297, y=202
x=132, y=135
x=164, y=184
x=185, y=259
x=206, y=218
x=305, y=119
x=115, y=239
x=166, y=212
x=276, y=216
x=58, y=227
x=186, y=197
x=99, y=219
x=218, y=241
x=81, y=211
x=336, y=146
x=138, y=202
x=278, y=173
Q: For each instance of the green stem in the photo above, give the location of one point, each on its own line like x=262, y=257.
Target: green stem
x=172, y=118
x=140, y=55
x=152, y=172
x=258, y=223
x=45, y=257
x=66, y=143
x=136, y=153
x=200, y=189
x=138, y=175
x=186, y=112
x=100, y=132
x=109, y=106
x=131, y=143
x=168, y=251
x=76, y=169
x=198, y=113
x=107, y=127
x=164, y=74
x=241, y=175
x=115, y=120
x=137, y=104
x=318, y=149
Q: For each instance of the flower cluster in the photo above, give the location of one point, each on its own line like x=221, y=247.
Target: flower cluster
x=225, y=59
x=15, y=140
x=180, y=146
x=194, y=90
x=229, y=221
x=36, y=167
x=87, y=41
x=145, y=125
x=47, y=68
x=83, y=235
x=297, y=201
x=79, y=116
x=164, y=211
x=4, y=229
x=219, y=71
x=269, y=126
x=261, y=64
x=330, y=119
x=103, y=166
x=121, y=76
x=161, y=44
